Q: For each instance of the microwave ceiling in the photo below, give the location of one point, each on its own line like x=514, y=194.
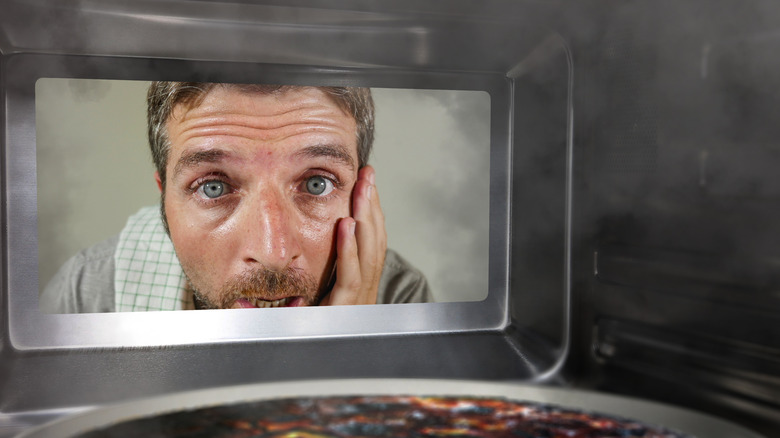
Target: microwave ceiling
x=484, y=36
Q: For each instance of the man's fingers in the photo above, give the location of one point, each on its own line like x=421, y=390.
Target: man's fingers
x=348, y=284
x=371, y=235
x=366, y=226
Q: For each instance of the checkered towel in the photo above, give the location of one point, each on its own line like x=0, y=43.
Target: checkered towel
x=148, y=275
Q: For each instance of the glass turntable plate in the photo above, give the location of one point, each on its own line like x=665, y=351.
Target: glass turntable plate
x=656, y=414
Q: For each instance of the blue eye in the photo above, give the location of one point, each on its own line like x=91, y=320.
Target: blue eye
x=213, y=189
x=319, y=186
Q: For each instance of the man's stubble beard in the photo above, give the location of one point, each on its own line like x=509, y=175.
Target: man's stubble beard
x=259, y=283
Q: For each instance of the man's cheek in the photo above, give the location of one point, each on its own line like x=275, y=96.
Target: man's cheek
x=320, y=239
x=319, y=235
x=324, y=211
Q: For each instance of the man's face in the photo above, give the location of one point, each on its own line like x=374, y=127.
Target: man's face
x=256, y=184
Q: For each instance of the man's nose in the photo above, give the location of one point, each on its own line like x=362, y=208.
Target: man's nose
x=270, y=231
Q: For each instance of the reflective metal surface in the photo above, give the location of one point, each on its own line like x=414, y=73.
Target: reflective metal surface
x=30, y=329
x=161, y=351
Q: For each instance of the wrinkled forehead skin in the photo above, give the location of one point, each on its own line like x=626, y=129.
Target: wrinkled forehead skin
x=162, y=97
x=359, y=106
x=270, y=114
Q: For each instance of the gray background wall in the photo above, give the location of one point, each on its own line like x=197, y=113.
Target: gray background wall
x=431, y=154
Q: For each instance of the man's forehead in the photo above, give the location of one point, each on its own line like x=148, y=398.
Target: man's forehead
x=264, y=98
x=265, y=110
x=254, y=114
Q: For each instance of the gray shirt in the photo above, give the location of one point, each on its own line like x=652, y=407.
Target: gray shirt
x=85, y=283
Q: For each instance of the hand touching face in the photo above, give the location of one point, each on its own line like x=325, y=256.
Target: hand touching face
x=360, y=246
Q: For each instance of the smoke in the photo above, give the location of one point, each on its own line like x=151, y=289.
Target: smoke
x=432, y=156
x=681, y=101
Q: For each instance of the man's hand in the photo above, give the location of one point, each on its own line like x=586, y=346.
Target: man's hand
x=361, y=241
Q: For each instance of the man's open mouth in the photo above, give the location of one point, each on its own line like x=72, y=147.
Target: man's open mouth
x=251, y=303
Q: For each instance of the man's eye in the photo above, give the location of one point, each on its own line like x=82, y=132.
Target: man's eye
x=319, y=186
x=213, y=189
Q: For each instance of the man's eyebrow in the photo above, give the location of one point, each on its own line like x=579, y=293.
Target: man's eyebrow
x=333, y=151
x=193, y=158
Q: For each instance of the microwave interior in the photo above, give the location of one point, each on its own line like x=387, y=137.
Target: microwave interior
x=632, y=197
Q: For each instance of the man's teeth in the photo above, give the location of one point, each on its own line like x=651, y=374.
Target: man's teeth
x=263, y=303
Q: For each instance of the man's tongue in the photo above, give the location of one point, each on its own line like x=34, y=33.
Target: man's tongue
x=252, y=303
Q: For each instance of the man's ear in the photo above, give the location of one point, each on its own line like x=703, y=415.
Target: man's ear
x=159, y=182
